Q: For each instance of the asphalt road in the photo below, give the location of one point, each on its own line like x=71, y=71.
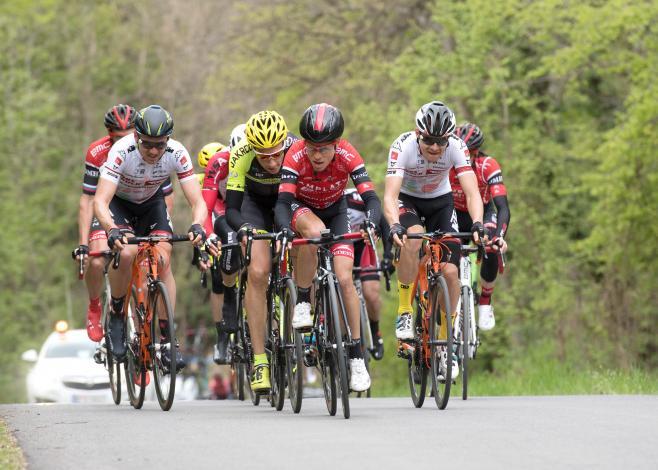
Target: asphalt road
x=485, y=433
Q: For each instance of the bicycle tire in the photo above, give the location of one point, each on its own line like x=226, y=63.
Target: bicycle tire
x=440, y=389
x=293, y=347
x=336, y=337
x=328, y=373
x=417, y=367
x=164, y=377
x=466, y=338
x=113, y=367
x=363, y=326
x=277, y=359
x=133, y=365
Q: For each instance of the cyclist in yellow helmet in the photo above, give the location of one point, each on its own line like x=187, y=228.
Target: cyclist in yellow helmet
x=251, y=193
x=205, y=154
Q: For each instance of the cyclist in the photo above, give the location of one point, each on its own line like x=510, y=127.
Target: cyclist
x=364, y=257
x=119, y=122
x=496, y=214
x=204, y=156
x=315, y=173
x=129, y=201
x=214, y=194
x=417, y=188
x=251, y=192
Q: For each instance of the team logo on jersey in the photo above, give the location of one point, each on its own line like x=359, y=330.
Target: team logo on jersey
x=117, y=161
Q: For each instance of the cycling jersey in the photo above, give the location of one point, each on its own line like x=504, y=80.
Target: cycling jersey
x=214, y=187
x=489, y=178
x=136, y=180
x=421, y=178
x=94, y=160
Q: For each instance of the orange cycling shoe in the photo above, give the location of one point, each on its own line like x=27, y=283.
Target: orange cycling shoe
x=94, y=327
x=138, y=379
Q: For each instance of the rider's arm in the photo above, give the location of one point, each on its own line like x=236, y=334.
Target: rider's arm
x=364, y=186
x=391, y=192
x=503, y=215
x=469, y=184
x=287, y=191
x=384, y=229
x=233, y=206
x=85, y=214
x=168, y=191
x=192, y=193
x=493, y=175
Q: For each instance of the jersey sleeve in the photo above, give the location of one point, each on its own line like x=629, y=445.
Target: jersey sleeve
x=167, y=187
x=357, y=169
x=238, y=165
x=90, y=179
x=493, y=176
x=290, y=169
x=396, y=161
x=184, y=168
x=461, y=159
x=113, y=166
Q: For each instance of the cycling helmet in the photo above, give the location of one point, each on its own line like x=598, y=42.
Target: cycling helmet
x=266, y=129
x=321, y=123
x=471, y=135
x=154, y=121
x=208, y=150
x=120, y=117
x=237, y=134
x=435, y=119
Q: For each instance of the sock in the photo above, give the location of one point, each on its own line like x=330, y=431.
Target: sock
x=95, y=302
x=117, y=305
x=485, y=295
x=404, y=294
x=374, y=328
x=303, y=295
x=354, y=350
x=260, y=359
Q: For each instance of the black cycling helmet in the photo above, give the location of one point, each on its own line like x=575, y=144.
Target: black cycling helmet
x=435, y=119
x=471, y=135
x=321, y=123
x=120, y=117
x=154, y=121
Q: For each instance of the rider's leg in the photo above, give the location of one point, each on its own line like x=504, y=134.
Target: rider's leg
x=255, y=295
x=308, y=225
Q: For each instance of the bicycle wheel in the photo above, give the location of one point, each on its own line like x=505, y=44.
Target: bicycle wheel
x=365, y=350
x=134, y=371
x=113, y=367
x=293, y=347
x=328, y=373
x=417, y=366
x=165, y=376
x=465, y=337
x=336, y=338
x=277, y=356
x=441, y=370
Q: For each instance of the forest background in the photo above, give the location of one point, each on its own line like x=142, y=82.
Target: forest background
x=565, y=92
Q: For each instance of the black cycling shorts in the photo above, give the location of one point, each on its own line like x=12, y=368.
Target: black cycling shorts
x=149, y=217
x=334, y=218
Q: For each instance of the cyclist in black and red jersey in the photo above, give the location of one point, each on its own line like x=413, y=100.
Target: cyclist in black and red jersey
x=496, y=214
x=119, y=122
x=314, y=176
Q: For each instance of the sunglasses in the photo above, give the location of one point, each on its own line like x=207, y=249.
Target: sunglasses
x=152, y=145
x=429, y=140
x=268, y=156
x=324, y=150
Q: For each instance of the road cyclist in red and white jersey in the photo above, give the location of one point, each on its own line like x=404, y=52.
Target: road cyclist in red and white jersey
x=496, y=215
x=129, y=201
x=223, y=274
x=119, y=122
x=418, y=191
x=314, y=177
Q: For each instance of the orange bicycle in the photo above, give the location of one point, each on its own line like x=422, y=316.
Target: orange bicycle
x=430, y=350
x=146, y=339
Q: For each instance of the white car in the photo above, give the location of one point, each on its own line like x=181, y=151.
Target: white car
x=65, y=371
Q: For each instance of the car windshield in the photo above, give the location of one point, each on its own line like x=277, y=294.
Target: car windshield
x=82, y=350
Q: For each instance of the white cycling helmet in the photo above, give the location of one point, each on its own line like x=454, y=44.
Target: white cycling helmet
x=237, y=134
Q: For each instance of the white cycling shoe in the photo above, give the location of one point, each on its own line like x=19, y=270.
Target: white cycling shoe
x=486, y=319
x=301, y=317
x=359, y=378
x=404, y=327
x=454, y=372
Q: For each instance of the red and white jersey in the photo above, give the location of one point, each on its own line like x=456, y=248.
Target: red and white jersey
x=214, y=186
x=136, y=180
x=490, y=182
x=321, y=189
x=96, y=156
x=421, y=178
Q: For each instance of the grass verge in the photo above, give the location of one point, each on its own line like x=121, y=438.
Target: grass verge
x=11, y=456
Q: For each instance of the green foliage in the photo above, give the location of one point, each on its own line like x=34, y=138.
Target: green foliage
x=564, y=91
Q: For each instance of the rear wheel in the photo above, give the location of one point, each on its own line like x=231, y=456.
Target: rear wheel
x=165, y=376
x=113, y=367
x=293, y=347
x=135, y=373
x=440, y=348
x=366, y=344
x=336, y=338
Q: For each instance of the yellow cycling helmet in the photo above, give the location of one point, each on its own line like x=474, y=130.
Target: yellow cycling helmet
x=208, y=150
x=266, y=129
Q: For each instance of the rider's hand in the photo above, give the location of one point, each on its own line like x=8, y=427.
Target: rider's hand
x=288, y=234
x=398, y=234
x=498, y=244
x=477, y=229
x=197, y=234
x=213, y=244
x=80, y=252
x=204, y=261
x=366, y=227
x=116, y=239
x=242, y=232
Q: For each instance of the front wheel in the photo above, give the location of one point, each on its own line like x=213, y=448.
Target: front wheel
x=294, y=350
x=161, y=338
x=465, y=337
x=134, y=370
x=338, y=349
x=440, y=347
x=417, y=365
